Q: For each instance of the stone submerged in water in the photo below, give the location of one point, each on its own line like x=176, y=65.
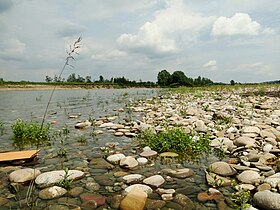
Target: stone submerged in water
x=52, y=192
x=50, y=178
x=115, y=158
x=154, y=181
x=143, y=187
x=267, y=200
x=134, y=200
x=24, y=175
x=179, y=173
x=128, y=162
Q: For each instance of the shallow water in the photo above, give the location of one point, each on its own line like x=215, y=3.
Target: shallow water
x=85, y=104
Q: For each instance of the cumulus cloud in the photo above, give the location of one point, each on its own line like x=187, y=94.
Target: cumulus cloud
x=159, y=35
x=238, y=24
x=211, y=65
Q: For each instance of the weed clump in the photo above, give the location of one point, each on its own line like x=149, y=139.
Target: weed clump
x=189, y=146
x=30, y=133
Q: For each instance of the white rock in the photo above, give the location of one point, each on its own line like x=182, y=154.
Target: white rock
x=142, y=161
x=24, y=175
x=50, y=178
x=106, y=125
x=167, y=197
x=115, y=158
x=128, y=162
x=273, y=180
x=148, y=153
x=267, y=147
x=251, y=129
x=143, y=187
x=133, y=178
x=154, y=181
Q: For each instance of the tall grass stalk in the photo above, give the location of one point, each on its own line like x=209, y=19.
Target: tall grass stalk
x=70, y=56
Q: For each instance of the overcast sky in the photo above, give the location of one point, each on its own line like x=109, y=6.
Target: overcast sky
x=217, y=39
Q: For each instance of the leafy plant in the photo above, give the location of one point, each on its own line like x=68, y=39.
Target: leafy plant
x=176, y=140
x=30, y=133
x=66, y=183
x=82, y=139
x=241, y=198
x=62, y=151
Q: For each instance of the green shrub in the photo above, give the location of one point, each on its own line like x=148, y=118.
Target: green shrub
x=176, y=140
x=30, y=133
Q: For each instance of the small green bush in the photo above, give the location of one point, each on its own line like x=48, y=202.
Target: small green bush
x=176, y=140
x=30, y=133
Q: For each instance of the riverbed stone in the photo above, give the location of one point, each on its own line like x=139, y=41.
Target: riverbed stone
x=184, y=200
x=100, y=163
x=267, y=200
x=50, y=178
x=245, y=141
x=273, y=180
x=76, y=191
x=143, y=187
x=249, y=177
x=154, y=204
x=154, y=181
x=148, y=153
x=115, y=158
x=222, y=168
x=251, y=129
x=52, y=192
x=134, y=200
x=142, y=161
x=128, y=162
x=99, y=199
x=179, y=173
x=24, y=175
x=133, y=178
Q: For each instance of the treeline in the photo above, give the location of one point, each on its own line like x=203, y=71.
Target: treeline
x=178, y=78
x=121, y=81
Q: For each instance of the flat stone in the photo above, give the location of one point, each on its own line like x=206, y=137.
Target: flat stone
x=128, y=162
x=154, y=204
x=179, y=173
x=52, y=192
x=24, y=175
x=251, y=129
x=249, y=177
x=100, y=163
x=184, y=200
x=267, y=200
x=264, y=186
x=134, y=200
x=99, y=199
x=115, y=158
x=143, y=187
x=245, y=141
x=154, y=181
x=169, y=154
x=142, y=161
x=273, y=180
x=148, y=153
x=222, y=168
x=52, y=177
x=133, y=178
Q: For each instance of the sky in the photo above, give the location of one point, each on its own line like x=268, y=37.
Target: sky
x=222, y=40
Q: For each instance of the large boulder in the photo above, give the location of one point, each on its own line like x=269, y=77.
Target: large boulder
x=24, y=175
x=48, y=179
x=267, y=200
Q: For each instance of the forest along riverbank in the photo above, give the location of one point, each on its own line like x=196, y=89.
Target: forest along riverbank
x=246, y=126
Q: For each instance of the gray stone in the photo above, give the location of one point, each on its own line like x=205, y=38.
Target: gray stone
x=50, y=178
x=24, y=175
x=249, y=177
x=154, y=181
x=52, y=192
x=179, y=173
x=133, y=178
x=143, y=187
x=222, y=168
x=267, y=200
x=115, y=158
x=245, y=141
x=251, y=129
x=128, y=162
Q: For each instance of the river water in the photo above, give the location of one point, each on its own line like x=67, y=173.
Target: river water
x=84, y=104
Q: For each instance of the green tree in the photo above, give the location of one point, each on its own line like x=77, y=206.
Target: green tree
x=101, y=78
x=48, y=79
x=164, y=78
x=232, y=82
x=71, y=78
x=88, y=79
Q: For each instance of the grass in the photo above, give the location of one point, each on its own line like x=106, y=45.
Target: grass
x=30, y=133
x=241, y=199
x=189, y=146
x=65, y=182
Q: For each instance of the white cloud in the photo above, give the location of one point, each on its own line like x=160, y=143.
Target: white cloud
x=238, y=24
x=160, y=35
x=114, y=54
x=211, y=65
x=12, y=48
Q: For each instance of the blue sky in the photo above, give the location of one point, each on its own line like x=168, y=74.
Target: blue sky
x=218, y=39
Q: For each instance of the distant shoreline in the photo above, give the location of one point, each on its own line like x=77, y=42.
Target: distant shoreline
x=7, y=87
